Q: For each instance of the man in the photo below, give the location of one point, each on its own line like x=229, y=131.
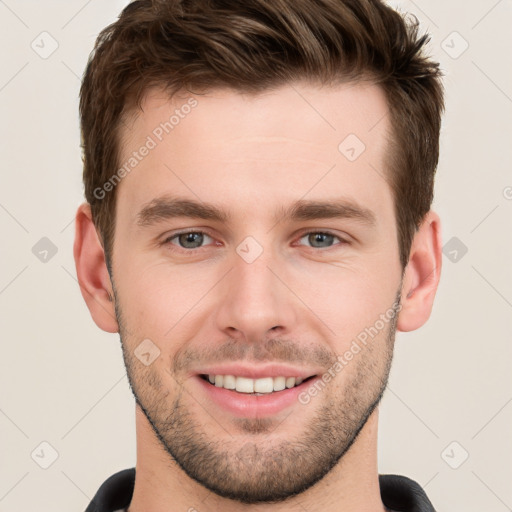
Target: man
x=259, y=177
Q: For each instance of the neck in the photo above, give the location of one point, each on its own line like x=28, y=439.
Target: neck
x=162, y=486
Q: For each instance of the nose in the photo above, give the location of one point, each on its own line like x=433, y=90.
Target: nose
x=255, y=302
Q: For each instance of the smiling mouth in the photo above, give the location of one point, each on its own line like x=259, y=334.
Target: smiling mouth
x=255, y=387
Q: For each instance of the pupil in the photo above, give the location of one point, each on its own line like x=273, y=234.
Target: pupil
x=191, y=238
x=319, y=237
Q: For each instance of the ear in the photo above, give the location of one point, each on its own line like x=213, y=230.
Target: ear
x=421, y=276
x=92, y=272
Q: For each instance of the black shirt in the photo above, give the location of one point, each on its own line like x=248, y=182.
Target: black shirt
x=398, y=493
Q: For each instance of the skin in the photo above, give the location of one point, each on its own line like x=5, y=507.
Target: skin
x=297, y=302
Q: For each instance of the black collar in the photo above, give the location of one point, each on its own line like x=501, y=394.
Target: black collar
x=398, y=493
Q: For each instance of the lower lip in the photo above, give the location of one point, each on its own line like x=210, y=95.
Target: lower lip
x=250, y=406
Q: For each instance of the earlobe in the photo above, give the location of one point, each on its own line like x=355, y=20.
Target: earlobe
x=92, y=273
x=422, y=274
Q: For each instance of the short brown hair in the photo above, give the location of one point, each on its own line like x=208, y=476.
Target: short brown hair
x=254, y=45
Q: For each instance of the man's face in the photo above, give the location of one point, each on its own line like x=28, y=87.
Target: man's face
x=260, y=286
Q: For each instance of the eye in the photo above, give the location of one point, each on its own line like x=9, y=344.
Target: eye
x=195, y=239
x=188, y=239
x=320, y=239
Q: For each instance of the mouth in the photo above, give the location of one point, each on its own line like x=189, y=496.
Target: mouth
x=255, y=387
x=247, y=391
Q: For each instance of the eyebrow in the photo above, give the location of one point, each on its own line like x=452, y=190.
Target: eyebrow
x=167, y=207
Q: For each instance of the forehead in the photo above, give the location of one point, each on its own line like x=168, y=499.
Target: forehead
x=277, y=143
x=294, y=110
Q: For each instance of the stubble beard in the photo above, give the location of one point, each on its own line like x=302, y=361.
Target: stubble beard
x=253, y=463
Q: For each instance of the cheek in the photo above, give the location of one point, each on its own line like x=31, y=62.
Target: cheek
x=347, y=294
x=158, y=297
x=349, y=298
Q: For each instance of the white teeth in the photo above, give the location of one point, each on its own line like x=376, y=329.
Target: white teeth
x=279, y=383
x=290, y=382
x=229, y=382
x=265, y=385
x=246, y=385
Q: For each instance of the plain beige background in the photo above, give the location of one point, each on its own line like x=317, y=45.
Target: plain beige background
x=446, y=418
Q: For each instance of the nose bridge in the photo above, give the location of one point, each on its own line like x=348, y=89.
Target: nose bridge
x=254, y=300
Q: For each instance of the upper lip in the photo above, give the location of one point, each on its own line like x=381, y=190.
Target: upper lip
x=257, y=372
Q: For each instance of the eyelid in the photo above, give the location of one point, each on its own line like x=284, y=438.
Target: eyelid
x=167, y=239
x=343, y=239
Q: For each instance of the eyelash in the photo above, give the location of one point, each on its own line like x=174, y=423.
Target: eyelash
x=167, y=240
